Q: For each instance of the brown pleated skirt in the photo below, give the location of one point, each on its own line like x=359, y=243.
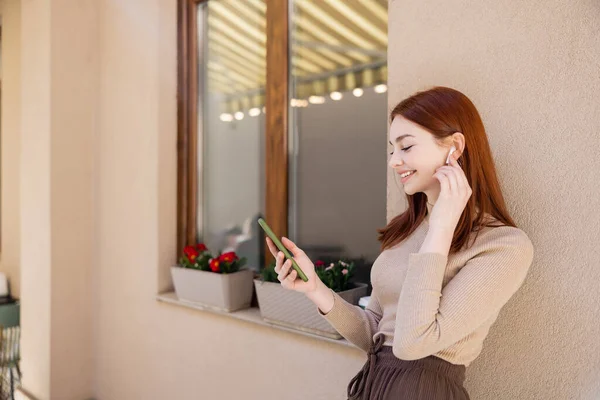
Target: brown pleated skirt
x=386, y=377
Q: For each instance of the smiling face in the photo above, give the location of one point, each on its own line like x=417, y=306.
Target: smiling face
x=416, y=149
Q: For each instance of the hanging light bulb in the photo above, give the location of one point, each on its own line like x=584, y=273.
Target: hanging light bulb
x=333, y=86
x=227, y=115
x=381, y=83
x=304, y=90
x=257, y=102
x=350, y=80
x=381, y=88
x=383, y=74
x=336, y=96
x=239, y=115
x=318, y=92
x=316, y=99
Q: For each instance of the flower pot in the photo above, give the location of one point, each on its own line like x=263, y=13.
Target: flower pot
x=222, y=292
x=294, y=310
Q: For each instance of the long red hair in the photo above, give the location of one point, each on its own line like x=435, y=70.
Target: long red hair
x=443, y=111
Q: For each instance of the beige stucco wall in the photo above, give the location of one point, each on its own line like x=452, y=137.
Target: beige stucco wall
x=532, y=72
x=10, y=236
x=532, y=69
x=59, y=73
x=145, y=349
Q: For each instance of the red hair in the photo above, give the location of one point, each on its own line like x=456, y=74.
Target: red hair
x=443, y=111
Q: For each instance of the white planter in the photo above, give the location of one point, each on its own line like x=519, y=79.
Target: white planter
x=294, y=310
x=222, y=292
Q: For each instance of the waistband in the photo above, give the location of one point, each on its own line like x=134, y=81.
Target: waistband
x=386, y=357
x=383, y=355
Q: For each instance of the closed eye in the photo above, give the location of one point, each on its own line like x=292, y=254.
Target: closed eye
x=403, y=149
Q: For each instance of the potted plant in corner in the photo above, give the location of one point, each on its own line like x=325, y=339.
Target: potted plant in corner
x=294, y=310
x=217, y=282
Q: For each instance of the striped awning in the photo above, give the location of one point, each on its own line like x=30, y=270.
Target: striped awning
x=336, y=45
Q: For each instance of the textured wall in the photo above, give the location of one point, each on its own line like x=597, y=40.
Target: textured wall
x=533, y=70
x=530, y=67
x=145, y=349
x=10, y=143
x=58, y=110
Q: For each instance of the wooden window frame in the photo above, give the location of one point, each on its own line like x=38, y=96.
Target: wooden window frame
x=189, y=123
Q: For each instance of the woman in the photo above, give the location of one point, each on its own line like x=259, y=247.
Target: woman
x=448, y=263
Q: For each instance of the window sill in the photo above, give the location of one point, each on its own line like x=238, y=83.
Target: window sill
x=251, y=315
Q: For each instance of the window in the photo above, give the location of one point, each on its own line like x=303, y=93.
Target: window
x=283, y=115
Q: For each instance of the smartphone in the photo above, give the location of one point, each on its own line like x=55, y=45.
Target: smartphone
x=281, y=247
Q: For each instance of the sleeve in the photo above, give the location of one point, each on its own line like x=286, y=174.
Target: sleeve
x=430, y=319
x=352, y=322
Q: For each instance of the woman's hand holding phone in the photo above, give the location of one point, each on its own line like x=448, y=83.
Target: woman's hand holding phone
x=286, y=274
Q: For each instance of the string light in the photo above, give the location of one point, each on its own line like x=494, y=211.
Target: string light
x=358, y=92
x=316, y=99
x=381, y=88
x=336, y=96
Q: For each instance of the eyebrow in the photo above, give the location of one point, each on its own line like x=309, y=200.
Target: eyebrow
x=399, y=138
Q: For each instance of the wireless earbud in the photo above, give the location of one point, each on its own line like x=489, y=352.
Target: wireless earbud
x=452, y=150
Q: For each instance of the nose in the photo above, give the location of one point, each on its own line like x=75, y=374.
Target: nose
x=395, y=161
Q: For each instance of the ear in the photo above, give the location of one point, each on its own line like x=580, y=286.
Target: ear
x=458, y=143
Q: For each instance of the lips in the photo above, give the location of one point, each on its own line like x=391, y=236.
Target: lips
x=406, y=178
x=406, y=170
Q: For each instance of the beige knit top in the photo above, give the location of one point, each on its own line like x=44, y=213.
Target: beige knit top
x=431, y=304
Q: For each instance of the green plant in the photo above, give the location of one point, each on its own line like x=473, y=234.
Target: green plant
x=335, y=276
x=198, y=257
x=268, y=273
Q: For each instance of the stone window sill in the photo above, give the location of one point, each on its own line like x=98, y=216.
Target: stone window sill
x=251, y=315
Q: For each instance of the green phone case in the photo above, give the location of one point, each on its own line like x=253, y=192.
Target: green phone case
x=281, y=247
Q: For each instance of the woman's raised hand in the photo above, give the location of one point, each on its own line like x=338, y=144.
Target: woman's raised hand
x=286, y=274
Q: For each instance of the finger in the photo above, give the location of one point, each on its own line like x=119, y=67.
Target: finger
x=458, y=180
x=284, y=271
x=271, y=246
x=296, y=251
x=443, y=181
x=291, y=278
x=460, y=172
x=453, y=179
x=461, y=181
x=278, y=261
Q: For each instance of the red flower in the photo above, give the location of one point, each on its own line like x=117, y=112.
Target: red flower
x=215, y=265
x=190, y=252
x=228, y=257
x=201, y=247
x=319, y=263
